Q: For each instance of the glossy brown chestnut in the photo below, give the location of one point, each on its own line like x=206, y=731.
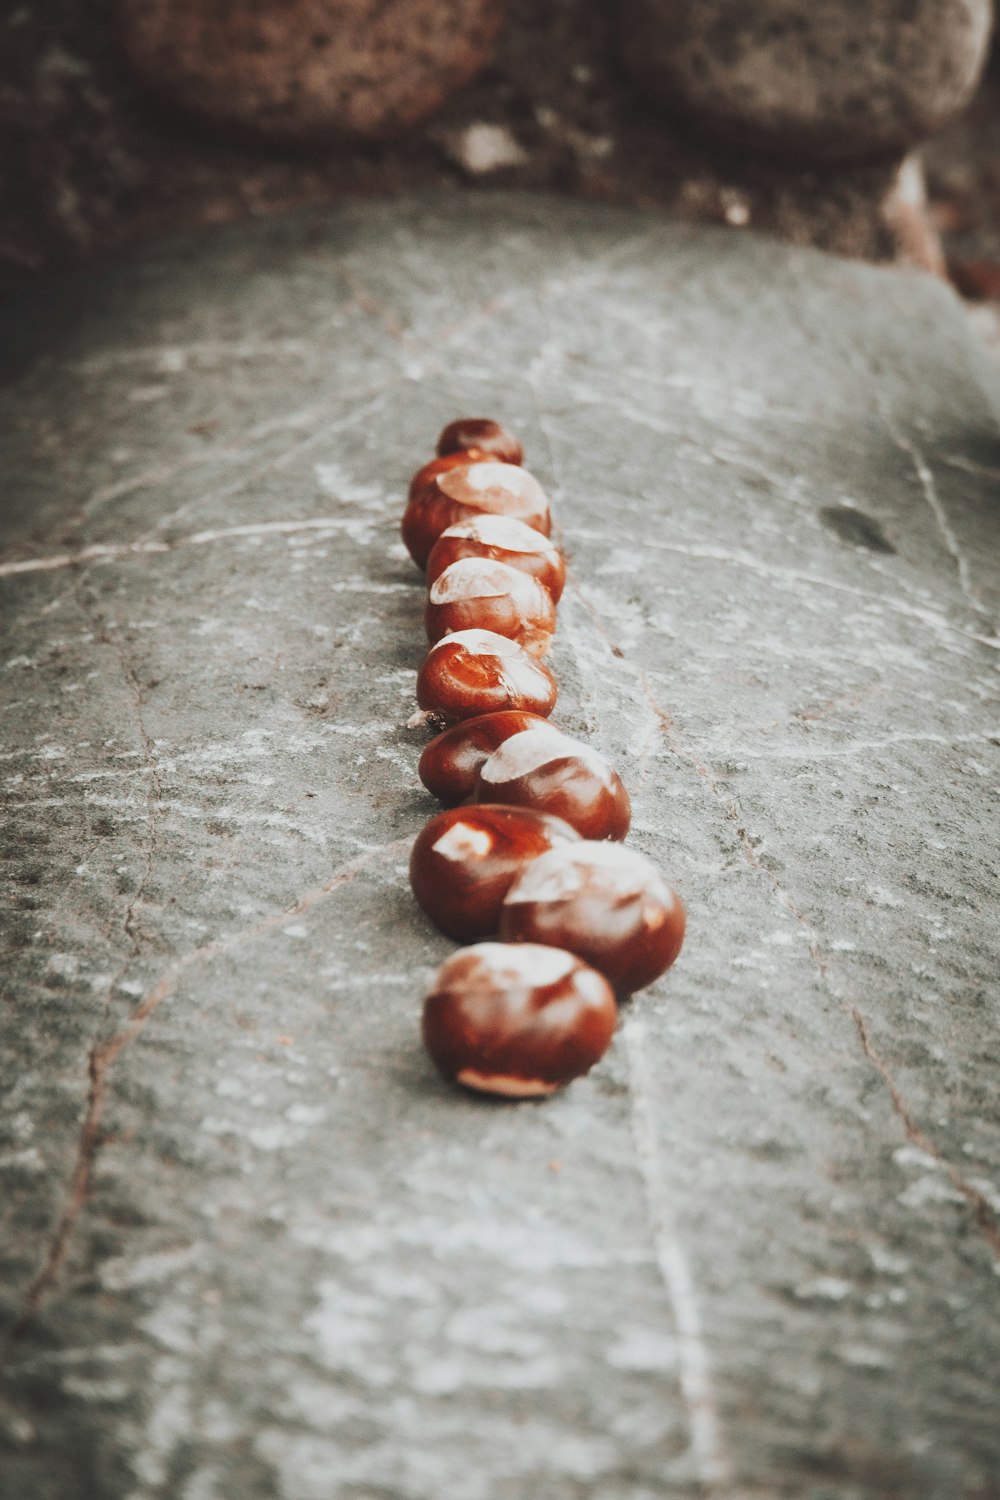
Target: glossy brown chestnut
x=479, y=672
x=505, y=540
x=450, y=762
x=608, y=904
x=476, y=593
x=426, y=476
x=482, y=435
x=550, y=771
x=440, y=498
x=517, y=1020
x=465, y=860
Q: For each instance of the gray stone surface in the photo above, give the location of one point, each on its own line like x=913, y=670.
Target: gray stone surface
x=251, y=1245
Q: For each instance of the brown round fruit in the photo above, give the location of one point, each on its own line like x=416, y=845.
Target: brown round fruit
x=465, y=860
x=517, y=1020
x=550, y=771
x=450, y=763
x=477, y=594
x=481, y=435
x=443, y=494
x=505, y=540
x=426, y=476
x=479, y=672
x=608, y=904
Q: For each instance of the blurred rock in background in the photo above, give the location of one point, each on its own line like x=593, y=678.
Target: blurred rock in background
x=122, y=121
x=306, y=69
x=810, y=80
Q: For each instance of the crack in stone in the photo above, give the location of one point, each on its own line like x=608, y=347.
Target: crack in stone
x=694, y=1373
x=695, y=1376
x=172, y=359
x=162, y=474
x=369, y=406
x=982, y=1211
x=858, y=747
x=103, y=1057
x=99, y=1059
x=728, y=805
x=930, y=617
x=154, y=796
x=305, y=419
x=128, y=809
x=113, y=551
x=955, y=461
x=928, y=487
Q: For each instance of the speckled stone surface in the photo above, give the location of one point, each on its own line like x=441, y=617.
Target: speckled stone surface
x=306, y=69
x=822, y=80
x=251, y=1244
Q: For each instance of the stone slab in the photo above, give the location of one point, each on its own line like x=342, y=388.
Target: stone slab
x=251, y=1244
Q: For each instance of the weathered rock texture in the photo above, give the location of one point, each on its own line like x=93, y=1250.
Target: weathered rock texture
x=251, y=1244
x=91, y=166
x=302, y=69
x=825, y=80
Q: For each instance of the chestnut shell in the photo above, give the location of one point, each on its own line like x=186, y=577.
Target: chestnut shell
x=451, y=760
x=606, y=903
x=479, y=672
x=506, y=540
x=444, y=492
x=517, y=1020
x=465, y=860
x=477, y=593
x=482, y=435
x=550, y=771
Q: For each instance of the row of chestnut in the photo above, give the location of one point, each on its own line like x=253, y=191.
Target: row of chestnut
x=529, y=847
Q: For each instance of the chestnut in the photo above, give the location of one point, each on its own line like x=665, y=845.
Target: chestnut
x=465, y=860
x=442, y=497
x=425, y=476
x=449, y=762
x=545, y=769
x=479, y=672
x=505, y=540
x=482, y=435
x=475, y=593
x=608, y=904
x=517, y=1020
